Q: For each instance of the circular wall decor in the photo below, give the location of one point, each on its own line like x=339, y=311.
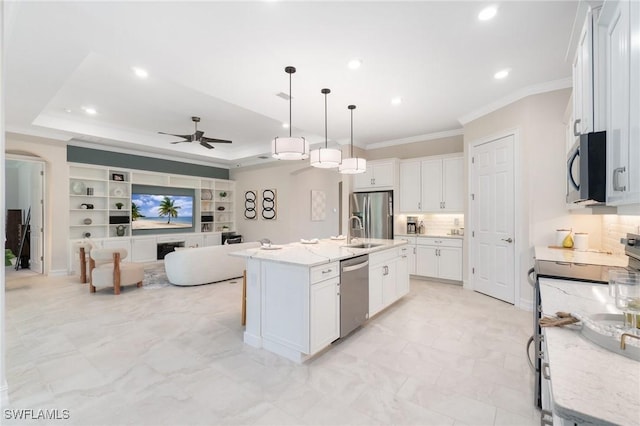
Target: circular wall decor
x=250, y=198
x=269, y=204
x=206, y=194
x=78, y=188
x=118, y=192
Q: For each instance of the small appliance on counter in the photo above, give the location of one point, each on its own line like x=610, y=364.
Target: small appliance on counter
x=412, y=226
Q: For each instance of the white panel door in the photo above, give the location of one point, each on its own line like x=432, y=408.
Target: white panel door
x=453, y=185
x=426, y=261
x=410, y=187
x=36, y=240
x=493, y=207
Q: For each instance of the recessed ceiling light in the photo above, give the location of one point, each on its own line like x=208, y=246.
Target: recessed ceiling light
x=285, y=125
x=89, y=110
x=487, y=13
x=142, y=73
x=501, y=74
x=396, y=101
x=354, y=64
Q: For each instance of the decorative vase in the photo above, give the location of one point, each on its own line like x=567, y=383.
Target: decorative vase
x=120, y=229
x=87, y=221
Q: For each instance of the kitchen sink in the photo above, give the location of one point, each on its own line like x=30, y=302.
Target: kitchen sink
x=363, y=245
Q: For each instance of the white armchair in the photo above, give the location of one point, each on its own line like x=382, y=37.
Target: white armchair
x=108, y=270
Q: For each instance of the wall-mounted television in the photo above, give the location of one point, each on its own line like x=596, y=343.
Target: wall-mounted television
x=156, y=209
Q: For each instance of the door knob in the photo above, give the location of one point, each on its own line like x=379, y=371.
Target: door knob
x=509, y=240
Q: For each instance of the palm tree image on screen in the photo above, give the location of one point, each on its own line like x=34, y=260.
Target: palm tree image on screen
x=167, y=208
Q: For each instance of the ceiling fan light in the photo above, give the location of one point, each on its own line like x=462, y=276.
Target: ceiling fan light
x=352, y=166
x=290, y=148
x=326, y=158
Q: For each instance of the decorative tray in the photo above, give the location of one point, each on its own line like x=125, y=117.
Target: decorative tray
x=606, y=330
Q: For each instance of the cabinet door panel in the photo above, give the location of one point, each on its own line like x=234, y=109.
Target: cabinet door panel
x=617, y=44
x=402, y=275
x=363, y=180
x=453, y=185
x=325, y=313
x=426, y=261
x=390, y=276
x=450, y=263
x=383, y=174
x=410, y=187
x=376, y=275
x=431, y=185
x=144, y=249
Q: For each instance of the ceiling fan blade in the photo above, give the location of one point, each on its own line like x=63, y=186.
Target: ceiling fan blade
x=187, y=137
x=213, y=140
x=206, y=145
x=198, y=135
x=178, y=142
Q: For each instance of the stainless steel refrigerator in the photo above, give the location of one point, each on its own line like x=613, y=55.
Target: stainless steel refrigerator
x=373, y=213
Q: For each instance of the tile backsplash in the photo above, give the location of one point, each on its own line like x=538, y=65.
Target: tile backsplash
x=616, y=227
x=435, y=224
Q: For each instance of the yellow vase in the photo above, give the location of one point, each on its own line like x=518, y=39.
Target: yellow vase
x=567, y=242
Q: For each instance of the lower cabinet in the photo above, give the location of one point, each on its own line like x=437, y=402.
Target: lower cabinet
x=439, y=258
x=388, y=278
x=144, y=249
x=410, y=252
x=324, y=309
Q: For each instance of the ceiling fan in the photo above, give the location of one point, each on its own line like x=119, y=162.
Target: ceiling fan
x=197, y=136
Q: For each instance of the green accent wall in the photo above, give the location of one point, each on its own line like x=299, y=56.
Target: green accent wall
x=76, y=154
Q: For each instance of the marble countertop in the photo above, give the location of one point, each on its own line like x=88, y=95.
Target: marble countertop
x=325, y=251
x=589, y=383
x=459, y=237
x=574, y=256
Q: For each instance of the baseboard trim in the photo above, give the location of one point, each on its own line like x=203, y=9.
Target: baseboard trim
x=58, y=273
x=526, y=305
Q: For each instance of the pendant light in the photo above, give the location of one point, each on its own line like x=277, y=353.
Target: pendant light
x=290, y=148
x=352, y=165
x=326, y=158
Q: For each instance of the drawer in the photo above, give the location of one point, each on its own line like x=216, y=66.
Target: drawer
x=409, y=240
x=441, y=242
x=324, y=272
x=385, y=255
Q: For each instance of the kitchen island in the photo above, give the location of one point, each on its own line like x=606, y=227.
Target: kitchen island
x=585, y=383
x=293, y=291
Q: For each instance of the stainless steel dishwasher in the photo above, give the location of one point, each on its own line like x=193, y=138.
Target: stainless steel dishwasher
x=354, y=293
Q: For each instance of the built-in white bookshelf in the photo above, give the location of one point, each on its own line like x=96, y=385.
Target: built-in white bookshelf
x=100, y=200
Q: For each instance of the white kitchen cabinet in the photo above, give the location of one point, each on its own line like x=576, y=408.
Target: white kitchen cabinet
x=212, y=239
x=620, y=21
x=432, y=185
x=386, y=282
x=410, y=186
x=380, y=175
x=582, y=69
x=439, y=258
x=325, y=313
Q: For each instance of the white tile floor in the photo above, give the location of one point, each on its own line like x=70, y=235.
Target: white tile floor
x=175, y=356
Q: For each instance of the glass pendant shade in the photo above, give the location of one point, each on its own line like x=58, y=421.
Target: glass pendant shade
x=326, y=158
x=290, y=148
x=353, y=166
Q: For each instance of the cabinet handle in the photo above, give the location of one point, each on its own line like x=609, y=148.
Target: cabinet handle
x=444, y=204
x=546, y=418
x=419, y=205
x=414, y=250
x=545, y=371
x=326, y=271
x=529, y=342
x=575, y=127
x=616, y=173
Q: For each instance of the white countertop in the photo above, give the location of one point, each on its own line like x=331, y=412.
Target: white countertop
x=459, y=237
x=574, y=256
x=589, y=384
x=324, y=251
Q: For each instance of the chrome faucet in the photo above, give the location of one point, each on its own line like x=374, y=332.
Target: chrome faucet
x=349, y=227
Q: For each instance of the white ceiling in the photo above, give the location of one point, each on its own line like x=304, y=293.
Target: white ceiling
x=224, y=62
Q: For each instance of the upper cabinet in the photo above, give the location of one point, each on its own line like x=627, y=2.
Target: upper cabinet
x=583, y=80
x=434, y=185
x=620, y=24
x=380, y=175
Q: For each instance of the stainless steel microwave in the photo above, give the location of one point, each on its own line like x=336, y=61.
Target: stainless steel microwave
x=587, y=169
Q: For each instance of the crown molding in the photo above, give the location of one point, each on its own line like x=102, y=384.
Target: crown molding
x=418, y=138
x=549, y=86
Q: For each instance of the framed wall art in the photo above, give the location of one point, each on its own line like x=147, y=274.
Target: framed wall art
x=318, y=205
x=250, y=205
